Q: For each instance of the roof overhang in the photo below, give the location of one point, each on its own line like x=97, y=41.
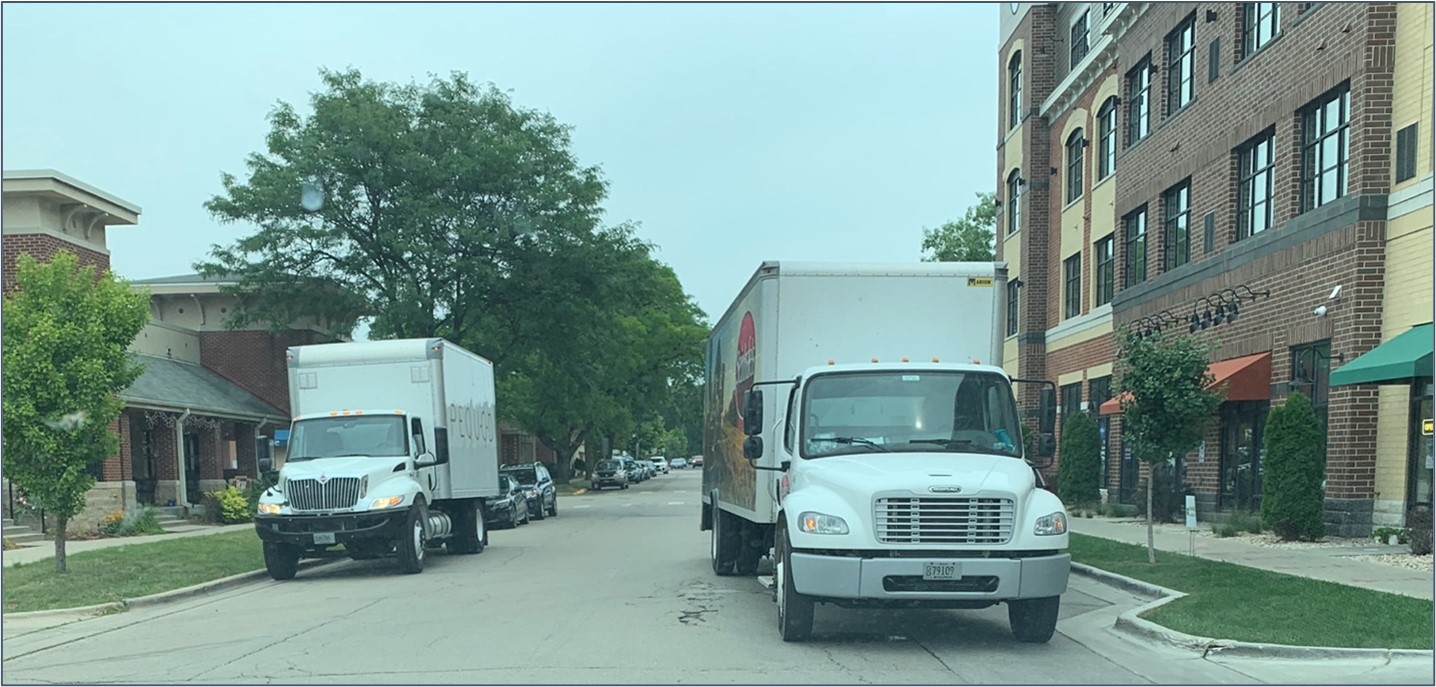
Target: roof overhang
x=67, y=190
x=1406, y=357
x=1247, y=378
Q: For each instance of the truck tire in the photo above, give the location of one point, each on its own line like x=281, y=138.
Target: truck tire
x=281, y=561
x=1033, y=620
x=469, y=531
x=795, y=611
x=411, y=545
x=723, y=544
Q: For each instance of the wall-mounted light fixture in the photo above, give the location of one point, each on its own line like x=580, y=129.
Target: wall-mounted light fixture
x=1211, y=16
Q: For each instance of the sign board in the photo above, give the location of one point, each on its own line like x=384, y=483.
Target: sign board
x=979, y=281
x=281, y=438
x=1426, y=427
x=1191, y=512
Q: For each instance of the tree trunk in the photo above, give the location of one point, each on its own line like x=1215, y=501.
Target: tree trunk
x=1151, y=549
x=61, y=524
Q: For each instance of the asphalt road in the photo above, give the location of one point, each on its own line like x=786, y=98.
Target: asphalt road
x=617, y=589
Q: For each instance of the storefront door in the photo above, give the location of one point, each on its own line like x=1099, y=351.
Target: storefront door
x=1241, y=460
x=1422, y=464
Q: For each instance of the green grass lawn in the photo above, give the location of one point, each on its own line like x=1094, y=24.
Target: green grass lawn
x=1227, y=601
x=106, y=575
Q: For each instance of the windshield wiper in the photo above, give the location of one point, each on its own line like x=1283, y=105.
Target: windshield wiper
x=855, y=440
x=965, y=444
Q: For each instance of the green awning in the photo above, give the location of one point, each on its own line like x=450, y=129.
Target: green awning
x=1400, y=360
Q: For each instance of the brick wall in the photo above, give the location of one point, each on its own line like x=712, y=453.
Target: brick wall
x=254, y=360
x=43, y=247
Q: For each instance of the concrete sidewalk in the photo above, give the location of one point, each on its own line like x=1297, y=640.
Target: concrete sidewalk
x=41, y=550
x=1330, y=563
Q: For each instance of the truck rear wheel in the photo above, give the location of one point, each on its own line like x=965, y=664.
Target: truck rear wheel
x=723, y=545
x=795, y=611
x=281, y=561
x=1033, y=620
x=412, y=543
x=469, y=533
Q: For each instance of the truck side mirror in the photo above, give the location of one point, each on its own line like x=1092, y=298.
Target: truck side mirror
x=753, y=413
x=425, y=460
x=753, y=448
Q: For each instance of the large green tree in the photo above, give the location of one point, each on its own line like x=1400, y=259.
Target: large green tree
x=67, y=330
x=1167, y=402
x=970, y=239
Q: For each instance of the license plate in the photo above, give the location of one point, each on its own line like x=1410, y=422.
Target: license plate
x=328, y=538
x=941, y=571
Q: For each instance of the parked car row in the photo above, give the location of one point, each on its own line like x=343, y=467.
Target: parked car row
x=621, y=471
x=526, y=492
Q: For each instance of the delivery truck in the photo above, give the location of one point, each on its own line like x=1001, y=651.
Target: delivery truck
x=862, y=433
x=392, y=451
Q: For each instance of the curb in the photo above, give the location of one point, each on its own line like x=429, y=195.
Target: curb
x=1131, y=624
x=161, y=597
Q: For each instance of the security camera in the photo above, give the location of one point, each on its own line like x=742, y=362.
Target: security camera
x=1320, y=311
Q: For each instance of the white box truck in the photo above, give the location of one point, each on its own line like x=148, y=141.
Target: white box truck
x=393, y=449
x=885, y=466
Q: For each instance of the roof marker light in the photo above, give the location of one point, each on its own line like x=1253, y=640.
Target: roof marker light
x=934, y=359
x=904, y=358
x=975, y=361
x=875, y=359
x=830, y=361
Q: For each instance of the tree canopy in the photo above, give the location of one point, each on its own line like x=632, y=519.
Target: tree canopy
x=970, y=239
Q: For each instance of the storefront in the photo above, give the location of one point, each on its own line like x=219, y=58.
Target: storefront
x=1405, y=360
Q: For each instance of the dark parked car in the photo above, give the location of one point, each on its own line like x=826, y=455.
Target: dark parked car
x=539, y=485
x=511, y=507
x=609, y=473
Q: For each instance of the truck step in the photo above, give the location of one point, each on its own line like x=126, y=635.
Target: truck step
x=767, y=581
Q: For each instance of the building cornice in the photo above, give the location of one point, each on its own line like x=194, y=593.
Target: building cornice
x=1098, y=60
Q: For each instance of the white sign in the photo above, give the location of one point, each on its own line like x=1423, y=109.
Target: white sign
x=1191, y=512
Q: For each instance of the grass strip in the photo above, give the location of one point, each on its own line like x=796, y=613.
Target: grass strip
x=1229, y=601
x=129, y=571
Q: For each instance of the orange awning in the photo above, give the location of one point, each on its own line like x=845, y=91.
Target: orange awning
x=1247, y=378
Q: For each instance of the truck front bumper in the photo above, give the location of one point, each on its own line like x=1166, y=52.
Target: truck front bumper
x=315, y=531
x=900, y=579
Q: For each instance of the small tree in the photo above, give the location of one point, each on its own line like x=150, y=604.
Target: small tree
x=969, y=239
x=1292, y=471
x=65, y=361
x=1079, y=472
x=1167, y=404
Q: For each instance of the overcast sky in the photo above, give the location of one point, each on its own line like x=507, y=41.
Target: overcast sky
x=732, y=133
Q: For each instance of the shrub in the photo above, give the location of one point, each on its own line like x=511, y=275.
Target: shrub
x=1293, y=469
x=140, y=522
x=1029, y=442
x=235, y=506
x=1079, y=472
x=1384, y=534
x=1243, y=522
x=110, y=524
x=1224, y=531
x=1418, y=531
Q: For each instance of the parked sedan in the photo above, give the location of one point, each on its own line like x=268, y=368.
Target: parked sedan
x=539, y=486
x=510, y=508
x=609, y=473
x=659, y=464
x=678, y=463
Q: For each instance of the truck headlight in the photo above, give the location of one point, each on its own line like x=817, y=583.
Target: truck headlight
x=1053, y=524
x=387, y=502
x=820, y=523
x=269, y=509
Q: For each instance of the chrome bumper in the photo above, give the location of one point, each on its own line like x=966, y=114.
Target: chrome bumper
x=844, y=577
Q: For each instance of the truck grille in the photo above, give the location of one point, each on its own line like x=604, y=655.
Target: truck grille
x=309, y=494
x=929, y=520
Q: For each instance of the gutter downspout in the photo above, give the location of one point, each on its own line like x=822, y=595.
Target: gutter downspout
x=183, y=499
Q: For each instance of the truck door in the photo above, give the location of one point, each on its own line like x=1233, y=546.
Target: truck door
x=427, y=474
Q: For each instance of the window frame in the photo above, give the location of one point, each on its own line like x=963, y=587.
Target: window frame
x=1406, y=156
x=1181, y=49
x=1249, y=175
x=1076, y=54
x=1177, y=226
x=1014, y=201
x=1315, y=132
x=1134, y=261
x=1070, y=392
x=1013, y=311
x=1014, y=91
x=1107, y=139
x=1104, y=271
x=1259, y=28
x=1076, y=163
x=1139, y=101
x=1072, y=286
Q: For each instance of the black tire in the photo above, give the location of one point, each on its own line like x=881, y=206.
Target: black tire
x=514, y=519
x=469, y=531
x=1033, y=620
x=553, y=512
x=527, y=516
x=795, y=611
x=722, y=545
x=281, y=561
x=540, y=515
x=412, y=543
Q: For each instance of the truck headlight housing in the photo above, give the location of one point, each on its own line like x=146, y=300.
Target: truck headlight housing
x=1049, y=525
x=821, y=523
x=269, y=509
x=387, y=502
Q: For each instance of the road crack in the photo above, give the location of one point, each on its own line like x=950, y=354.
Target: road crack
x=283, y=640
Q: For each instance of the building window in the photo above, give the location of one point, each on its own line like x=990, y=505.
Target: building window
x=1176, y=230
x=1324, y=149
x=1099, y=391
x=1311, y=375
x=1107, y=139
x=1139, y=87
x=1260, y=21
x=1181, y=51
x=1075, y=144
x=1072, y=278
x=1012, y=307
x=1406, y=153
x=1134, y=249
x=1102, y=255
x=1071, y=400
x=1014, y=90
x=1014, y=201
x=1079, y=38
x=1255, y=180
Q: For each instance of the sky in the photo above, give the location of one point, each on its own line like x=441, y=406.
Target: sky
x=731, y=133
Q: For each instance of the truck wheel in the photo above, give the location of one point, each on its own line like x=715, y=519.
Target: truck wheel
x=469, y=532
x=723, y=543
x=795, y=611
x=411, y=544
x=281, y=561
x=1033, y=620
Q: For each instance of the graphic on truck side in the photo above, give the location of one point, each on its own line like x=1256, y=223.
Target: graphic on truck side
x=732, y=367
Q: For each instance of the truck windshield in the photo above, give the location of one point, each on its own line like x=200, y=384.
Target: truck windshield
x=872, y=412
x=333, y=437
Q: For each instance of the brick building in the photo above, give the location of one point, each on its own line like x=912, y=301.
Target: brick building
x=1160, y=162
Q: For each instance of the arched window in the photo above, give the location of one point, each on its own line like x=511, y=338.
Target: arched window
x=1075, y=144
x=1014, y=91
x=1107, y=139
x=1014, y=201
